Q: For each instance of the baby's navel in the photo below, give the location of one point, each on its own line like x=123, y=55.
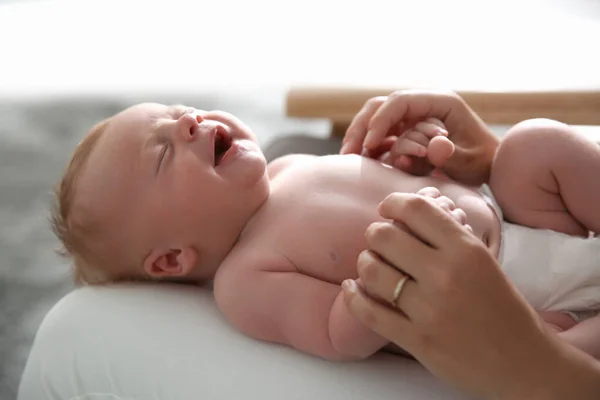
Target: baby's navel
x=333, y=256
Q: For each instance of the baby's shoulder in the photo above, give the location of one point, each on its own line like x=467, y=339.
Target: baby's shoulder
x=281, y=163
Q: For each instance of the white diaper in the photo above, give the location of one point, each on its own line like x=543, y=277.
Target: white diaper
x=552, y=270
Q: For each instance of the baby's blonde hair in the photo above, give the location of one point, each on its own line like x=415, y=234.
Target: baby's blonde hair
x=97, y=257
x=78, y=232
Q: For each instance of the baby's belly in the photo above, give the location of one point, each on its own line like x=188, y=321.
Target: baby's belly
x=325, y=223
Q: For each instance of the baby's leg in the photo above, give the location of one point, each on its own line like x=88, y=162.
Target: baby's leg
x=546, y=175
x=558, y=321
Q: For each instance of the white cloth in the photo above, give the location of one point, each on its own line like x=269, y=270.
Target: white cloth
x=553, y=271
x=170, y=342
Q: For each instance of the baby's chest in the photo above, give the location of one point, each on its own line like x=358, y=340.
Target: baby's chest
x=324, y=235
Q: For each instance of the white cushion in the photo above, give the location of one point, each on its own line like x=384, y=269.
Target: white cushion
x=169, y=342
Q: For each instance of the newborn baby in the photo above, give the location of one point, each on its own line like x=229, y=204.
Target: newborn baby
x=176, y=194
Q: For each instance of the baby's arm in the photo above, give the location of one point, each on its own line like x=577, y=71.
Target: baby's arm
x=585, y=336
x=277, y=303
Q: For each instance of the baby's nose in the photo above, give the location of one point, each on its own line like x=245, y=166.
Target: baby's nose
x=187, y=126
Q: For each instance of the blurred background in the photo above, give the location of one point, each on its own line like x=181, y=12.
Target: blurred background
x=65, y=65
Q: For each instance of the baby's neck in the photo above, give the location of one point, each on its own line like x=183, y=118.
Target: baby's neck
x=250, y=220
x=208, y=272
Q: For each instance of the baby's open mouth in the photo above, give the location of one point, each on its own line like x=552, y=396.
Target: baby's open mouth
x=222, y=144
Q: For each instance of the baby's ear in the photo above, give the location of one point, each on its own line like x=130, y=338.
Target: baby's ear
x=164, y=263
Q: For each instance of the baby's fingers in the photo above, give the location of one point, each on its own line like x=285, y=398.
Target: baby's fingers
x=412, y=143
x=431, y=128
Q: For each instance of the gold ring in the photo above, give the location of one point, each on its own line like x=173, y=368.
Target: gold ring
x=398, y=289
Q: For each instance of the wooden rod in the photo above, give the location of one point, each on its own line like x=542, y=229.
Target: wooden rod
x=575, y=107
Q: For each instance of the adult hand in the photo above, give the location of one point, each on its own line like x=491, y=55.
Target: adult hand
x=457, y=314
x=393, y=115
x=424, y=147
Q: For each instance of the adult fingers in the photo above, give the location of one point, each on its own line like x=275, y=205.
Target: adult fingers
x=356, y=132
x=387, y=322
x=430, y=191
x=459, y=215
x=447, y=204
x=383, y=148
x=381, y=281
x=399, y=247
x=408, y=105
x=423, y=218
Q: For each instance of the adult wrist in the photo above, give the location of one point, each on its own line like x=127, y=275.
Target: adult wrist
x=491, y=146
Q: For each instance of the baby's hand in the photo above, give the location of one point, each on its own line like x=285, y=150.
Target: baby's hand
x=421, y=149
x=447, y=204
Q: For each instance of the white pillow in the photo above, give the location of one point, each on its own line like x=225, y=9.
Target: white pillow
x=169, y=342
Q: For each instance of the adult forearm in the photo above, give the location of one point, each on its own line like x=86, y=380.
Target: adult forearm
x=579, y=377
x=585, y=336
x=491, y=146
x=568, y=373
x=586, y=378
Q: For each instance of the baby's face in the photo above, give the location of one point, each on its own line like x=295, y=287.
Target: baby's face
x=184, y=182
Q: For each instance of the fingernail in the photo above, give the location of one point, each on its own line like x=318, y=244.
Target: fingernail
x=349, y=285
x=443, y=132
x=364, y=152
